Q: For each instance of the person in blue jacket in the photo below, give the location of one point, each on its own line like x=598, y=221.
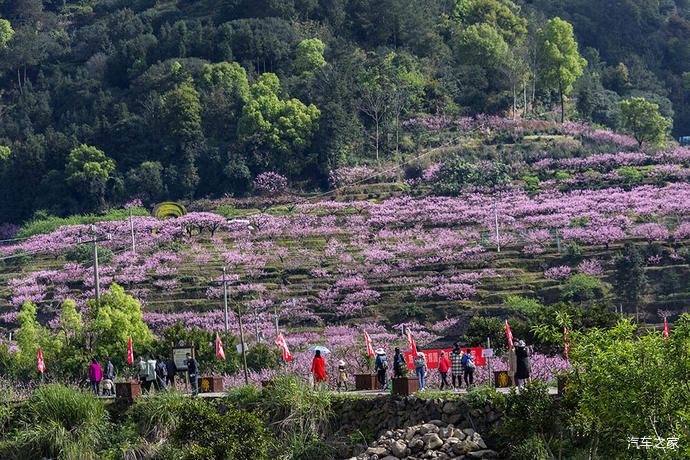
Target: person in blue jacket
x=469, y=366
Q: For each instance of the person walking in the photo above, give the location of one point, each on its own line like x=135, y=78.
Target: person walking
x=141, y=373
x=151, y=373
x=171, y=370
x=523, y=369
x=420, y=368
x=95, y=375
x=381, y=367
x=342, y=375
x=109, y=369
x=193, y=371
x=444, y=365
x=512, y=365
x=469, y=366
x=456, y=355
x=398, y=363
x=318, y=369
x=161, y=373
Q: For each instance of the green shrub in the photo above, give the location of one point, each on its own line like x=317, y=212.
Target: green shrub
x=20, y=258
x=581, y=287
x=62, y=422
x=531, y=448
x=531, y=183
x=263, y=357
x=43, y=223
x=630, y=174
x=561, y=176
x=156, y=418
x=523, y=305
x=241, y=396
x=205, y=432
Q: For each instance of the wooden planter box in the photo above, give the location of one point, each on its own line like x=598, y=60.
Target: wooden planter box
x=405, y=385
x=211, y=384
x=503, y=379
x=128, y=390
x=366, y=382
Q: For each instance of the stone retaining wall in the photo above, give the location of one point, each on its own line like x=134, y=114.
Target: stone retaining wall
x=378, y=414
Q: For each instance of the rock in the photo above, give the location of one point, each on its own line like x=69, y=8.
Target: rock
x=438, y=423
x=449, y=408
x=432, y=441
x=457, y=433
x=445, y=433
x=416, y=445
x=452, y=440
x=428, y=428
x=409, y=433
x=390, y=457
x=483, y=454
x=376, y=451
x=453, y=419
x=468, y=431
x=480, y=442
x=398, y=449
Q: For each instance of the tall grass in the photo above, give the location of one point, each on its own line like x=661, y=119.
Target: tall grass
x=156, y=418
x=61, y=422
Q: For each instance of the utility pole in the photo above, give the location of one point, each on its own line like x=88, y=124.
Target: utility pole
x=225, y=301
x=498, y=243
x=131, y=228
x=95, y=242
x=244, y=354
x=95, y=264
x=256, y=324
x=275, y=314
x=488, y=359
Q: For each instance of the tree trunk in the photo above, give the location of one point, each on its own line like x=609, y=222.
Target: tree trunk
x=560, y=92
x=514, y=101
x=397, y=135
x=524, y=95
x=377, y=140
x=19, y=81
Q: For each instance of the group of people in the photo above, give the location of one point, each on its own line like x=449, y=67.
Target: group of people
x=152, y=371
x=96, y=376
x=460, y=364
x=518, y=360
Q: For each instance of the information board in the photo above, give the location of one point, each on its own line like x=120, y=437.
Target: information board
x=180, y=355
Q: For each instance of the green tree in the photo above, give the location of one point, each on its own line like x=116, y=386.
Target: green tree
x=582, y=286
x=113, y=318
x=90, y=169
x=497, y=14
x=560, y=58
x=309, y=56
x=643, y=120
x=6, y=32
x=286, y=127
x=482, y=45
x=70, y=321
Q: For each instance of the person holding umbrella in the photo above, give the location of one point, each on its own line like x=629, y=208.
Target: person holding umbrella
x=318, y=370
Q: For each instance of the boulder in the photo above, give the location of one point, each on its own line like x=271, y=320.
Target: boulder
x=432, y=441
x=484, y=454
x=398, y=449
x=380, y=451
x=428, y=428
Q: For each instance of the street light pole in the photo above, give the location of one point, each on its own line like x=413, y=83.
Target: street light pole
x=131, y=229
x=96, y=281
x=225, y=300
x=244, y=354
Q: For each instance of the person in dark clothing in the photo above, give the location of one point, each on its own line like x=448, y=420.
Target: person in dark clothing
x=456, y=367
x=398, y=363
x=171, y=370
x=468, y=364
x=193, y=371
x=523, y=368
x=381, y=367
x=161, y=373
x=109, y=369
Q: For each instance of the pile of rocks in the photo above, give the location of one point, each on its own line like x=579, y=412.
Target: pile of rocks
x=435, y=439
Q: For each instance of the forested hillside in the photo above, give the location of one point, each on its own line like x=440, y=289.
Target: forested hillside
x=103, y=101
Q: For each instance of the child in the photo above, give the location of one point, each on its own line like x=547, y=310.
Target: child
x=107, y=387
x=342, y=375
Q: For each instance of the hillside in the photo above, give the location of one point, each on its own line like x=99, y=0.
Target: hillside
x=381, y=248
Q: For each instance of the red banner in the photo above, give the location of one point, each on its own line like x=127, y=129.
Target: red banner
x=434, y=356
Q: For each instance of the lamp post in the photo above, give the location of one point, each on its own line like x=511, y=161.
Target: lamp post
x=95, y=241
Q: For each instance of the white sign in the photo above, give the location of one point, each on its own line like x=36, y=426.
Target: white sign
x=239, y=348
x=488, y=353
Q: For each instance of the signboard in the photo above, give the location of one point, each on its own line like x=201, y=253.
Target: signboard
x=488, y=353
x=180, y=355
x=434, y=356
x=239, y=348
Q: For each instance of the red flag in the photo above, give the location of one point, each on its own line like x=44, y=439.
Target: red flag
x=565, y=338
x=280, y=341
x=41, y=364
x=219, y=347
x=411, y=342
x=130, y=352
x=509, y=334
x=370, y=350
x=666, y=331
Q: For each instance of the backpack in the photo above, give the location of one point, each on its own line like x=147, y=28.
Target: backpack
x=470, y=363
x=419, y=361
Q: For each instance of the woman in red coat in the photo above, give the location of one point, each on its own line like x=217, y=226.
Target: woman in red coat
x=443, y=366
x=318, y=368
